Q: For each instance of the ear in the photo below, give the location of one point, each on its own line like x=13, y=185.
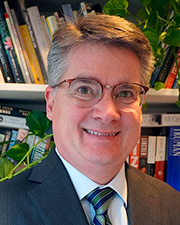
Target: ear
x=49, y=96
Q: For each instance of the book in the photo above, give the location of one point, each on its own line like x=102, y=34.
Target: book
x=160, y=157
x=16, y=24
x=21, y=134
x=6, y=139
x=40, y=149
x=155, y=75
x=52, y=24
x=13, y=111
x=1, y=75
x=16, y=43
x=33, y=60
x=13, y=117
x=151, y=155
x=12, y=122
x=134, y=156
x=173, y=161
x=143, y=152
x=166, y=66
x=22, y=10
x=175, y=84
x=6, y=71
x=13, y=138
x=35, y=20
x=46, y=30
x=9, y=48
x=65, y=11
x=173, y=72
x=83, y=9
x=160, y=119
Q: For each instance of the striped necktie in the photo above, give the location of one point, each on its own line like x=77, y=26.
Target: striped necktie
x=100, y=199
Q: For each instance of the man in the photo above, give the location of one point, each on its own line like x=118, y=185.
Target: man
x=98, y=73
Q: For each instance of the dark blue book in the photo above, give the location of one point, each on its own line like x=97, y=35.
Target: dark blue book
x=6, y=71
x=9, y=48
x=173, y=161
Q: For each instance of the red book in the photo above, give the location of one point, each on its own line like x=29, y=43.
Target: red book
x=160, y=157
x=173, y=72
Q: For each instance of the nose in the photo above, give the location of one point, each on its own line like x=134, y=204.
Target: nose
x=105, y=110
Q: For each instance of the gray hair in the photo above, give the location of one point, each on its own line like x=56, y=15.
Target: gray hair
x=103, y=29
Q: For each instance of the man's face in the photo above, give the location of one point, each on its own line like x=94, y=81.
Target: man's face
x=83, y=136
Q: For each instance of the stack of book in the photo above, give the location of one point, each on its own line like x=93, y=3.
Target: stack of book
x=158, y=151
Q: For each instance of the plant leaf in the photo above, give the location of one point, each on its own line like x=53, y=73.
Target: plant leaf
x=153, y=38
x=5, y=167
x=159, y=85
x=38, y=123
x=18, y=151
x=172, y=37
x=116, y=7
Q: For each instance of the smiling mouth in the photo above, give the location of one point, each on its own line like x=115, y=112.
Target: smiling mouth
x=100, y=134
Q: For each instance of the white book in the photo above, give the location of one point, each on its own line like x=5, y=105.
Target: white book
x=40, y=36
x=12, y=122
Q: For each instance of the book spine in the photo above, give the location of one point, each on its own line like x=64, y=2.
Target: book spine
x=151, y=155
x=173, y=72
x=52, y=24
x=167, y=64
x=16, y=43
x=12, y=122
x=13, y=138
x=9, y=49
x=16, y=24
x=7, y=138
x=21, y=134
x=134, y=157
x=160, y=157
x=143, y=153
x=35, y=67
x=65, y=11
x=35, y=20
x=13, y=111
x=40, y=149
x=173, y=162
x=1, y=74
x=7, y=73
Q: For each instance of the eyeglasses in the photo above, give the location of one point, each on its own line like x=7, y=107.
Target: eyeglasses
x=87, y=92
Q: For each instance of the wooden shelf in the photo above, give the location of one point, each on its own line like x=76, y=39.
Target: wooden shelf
x=36, y=92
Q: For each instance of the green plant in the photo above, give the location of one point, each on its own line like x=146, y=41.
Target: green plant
x=38, y=125
x=160, y=22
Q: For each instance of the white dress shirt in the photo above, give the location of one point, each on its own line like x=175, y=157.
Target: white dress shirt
x=83, y=185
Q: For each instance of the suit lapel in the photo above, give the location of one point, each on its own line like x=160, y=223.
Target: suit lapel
x=143, y=199
x=53, y=194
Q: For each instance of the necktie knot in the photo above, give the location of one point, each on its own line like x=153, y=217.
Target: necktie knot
x=100, y=199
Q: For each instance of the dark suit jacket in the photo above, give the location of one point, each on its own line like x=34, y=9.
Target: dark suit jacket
x=44, y=195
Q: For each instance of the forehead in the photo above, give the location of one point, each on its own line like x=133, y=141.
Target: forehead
x=103, y=62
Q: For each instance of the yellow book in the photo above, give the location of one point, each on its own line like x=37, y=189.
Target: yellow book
x=34, y=63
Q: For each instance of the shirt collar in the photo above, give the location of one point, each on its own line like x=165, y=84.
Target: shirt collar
x=84, y=185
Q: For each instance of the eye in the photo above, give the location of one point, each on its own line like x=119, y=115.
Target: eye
x=84, y=90
x=125, y=94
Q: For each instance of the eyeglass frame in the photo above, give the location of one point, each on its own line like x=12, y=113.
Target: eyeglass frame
x=69, y=81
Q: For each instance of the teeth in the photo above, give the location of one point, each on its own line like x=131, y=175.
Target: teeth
x=98, y=134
